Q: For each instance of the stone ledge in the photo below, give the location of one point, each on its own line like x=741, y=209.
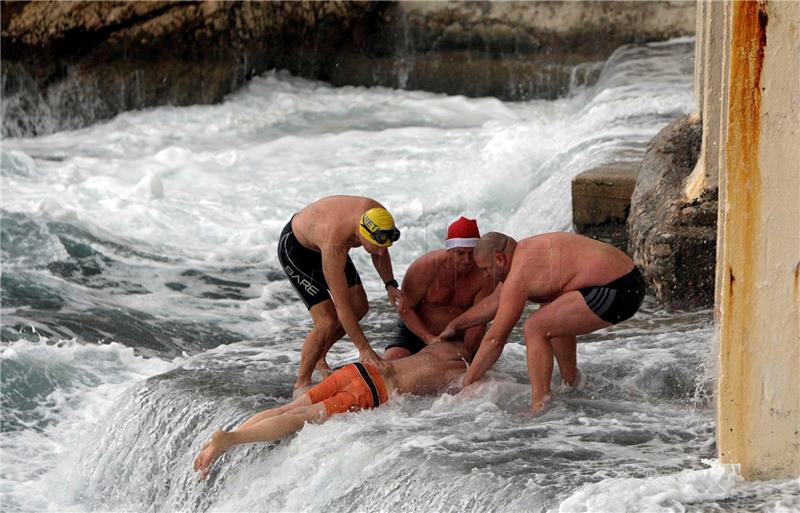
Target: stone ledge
x=601, y=199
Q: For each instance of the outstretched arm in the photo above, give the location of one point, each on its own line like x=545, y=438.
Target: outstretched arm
x=415, y=286
x=512, y=301
x=474, y=335
x=333, y=263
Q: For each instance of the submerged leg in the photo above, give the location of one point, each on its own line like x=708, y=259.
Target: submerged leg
x=551, y=331
x=298, y=402
x=266, y=429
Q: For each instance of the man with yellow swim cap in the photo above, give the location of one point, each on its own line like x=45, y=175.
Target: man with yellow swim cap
x=313, y=250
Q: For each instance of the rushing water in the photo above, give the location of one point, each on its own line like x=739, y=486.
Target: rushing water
x=143, y=307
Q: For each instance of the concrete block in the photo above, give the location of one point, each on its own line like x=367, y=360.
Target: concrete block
x=603, y=195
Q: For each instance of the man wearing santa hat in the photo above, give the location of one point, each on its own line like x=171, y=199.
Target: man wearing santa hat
x=437, y=287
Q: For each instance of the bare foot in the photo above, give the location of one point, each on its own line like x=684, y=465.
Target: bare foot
x=540, y=407
x=300, y=389
x=323, y=368
x=210, y=452
x=578, y=383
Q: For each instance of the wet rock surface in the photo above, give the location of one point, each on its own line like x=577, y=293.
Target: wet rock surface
x=671, y=238
x=69, y=64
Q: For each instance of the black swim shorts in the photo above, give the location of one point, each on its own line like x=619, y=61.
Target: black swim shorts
x=406, y=339
x=303, y=267
x=618, y=300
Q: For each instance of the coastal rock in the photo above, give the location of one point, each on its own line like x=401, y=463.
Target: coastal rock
x=672, y=239
x=509, y=50
x=69, y=64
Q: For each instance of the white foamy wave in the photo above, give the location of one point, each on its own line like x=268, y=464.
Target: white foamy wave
x=612, y=125
x=223, y=196
x=67, y=388
x=17, y=164
x=663, y=494
x=164, y=222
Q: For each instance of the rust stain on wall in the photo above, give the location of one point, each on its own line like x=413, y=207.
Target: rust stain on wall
x=742, y=229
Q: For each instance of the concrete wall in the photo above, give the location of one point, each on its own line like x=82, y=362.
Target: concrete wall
x=758, y=257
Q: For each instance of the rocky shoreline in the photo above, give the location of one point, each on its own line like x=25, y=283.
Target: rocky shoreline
x=70, y=64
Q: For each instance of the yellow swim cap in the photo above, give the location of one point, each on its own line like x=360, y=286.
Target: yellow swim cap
x=377, y=226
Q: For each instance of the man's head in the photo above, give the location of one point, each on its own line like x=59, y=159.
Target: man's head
x=493, y=255
x=462, y=236
x=377, y=231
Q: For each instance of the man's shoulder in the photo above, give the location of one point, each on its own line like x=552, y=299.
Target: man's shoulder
x=542, y=240
x=424, y=267
x=430, y=258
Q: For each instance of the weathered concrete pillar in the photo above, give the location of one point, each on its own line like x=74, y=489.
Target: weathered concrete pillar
x=719, y=72
x=699, y=52
x=758, y=259
x=710, y=81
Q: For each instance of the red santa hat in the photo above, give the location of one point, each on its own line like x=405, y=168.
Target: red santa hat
x=463, y=233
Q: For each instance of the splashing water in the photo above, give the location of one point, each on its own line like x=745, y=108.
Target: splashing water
x=143, y=307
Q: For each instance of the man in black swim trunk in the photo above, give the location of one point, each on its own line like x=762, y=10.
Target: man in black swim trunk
x=584, y=285
x=313, y=250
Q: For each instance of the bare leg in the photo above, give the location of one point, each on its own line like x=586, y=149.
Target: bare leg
x=540, y=367
x=551, y=331
x=564, y=349
x=325, y=322
x=327, y=331
x=322, y=364
x=298, y=402
x=265, y=430
x=258, y=417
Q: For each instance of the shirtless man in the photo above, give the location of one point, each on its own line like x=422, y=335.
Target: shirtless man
x=313, y=251
x=350, y=388
x=585, y=285
x=437, y=287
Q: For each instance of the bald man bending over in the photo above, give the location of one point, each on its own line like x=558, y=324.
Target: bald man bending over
x=584, y=284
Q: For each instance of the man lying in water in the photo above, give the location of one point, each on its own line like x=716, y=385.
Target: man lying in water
x=353, y=387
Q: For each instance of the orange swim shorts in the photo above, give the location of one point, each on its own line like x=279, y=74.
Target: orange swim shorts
x=353, y=387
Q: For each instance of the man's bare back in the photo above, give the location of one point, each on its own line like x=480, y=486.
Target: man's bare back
x=328, y=222
x=433, y=369
x=586, y=284
x=313, y=250
x=554, y=263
